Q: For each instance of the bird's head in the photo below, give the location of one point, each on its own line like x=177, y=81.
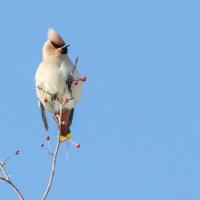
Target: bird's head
x=55, y=45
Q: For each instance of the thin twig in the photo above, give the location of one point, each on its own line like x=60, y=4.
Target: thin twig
x=52, y=169
x=8, y=180
x=3, y=179
x=54, y=157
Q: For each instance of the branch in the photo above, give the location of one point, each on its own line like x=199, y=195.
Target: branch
x=8, y=180
x=52, y=169
x=54, y=156
x=3, y=179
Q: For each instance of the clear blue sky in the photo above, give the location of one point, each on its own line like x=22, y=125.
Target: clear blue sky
x=138, y=120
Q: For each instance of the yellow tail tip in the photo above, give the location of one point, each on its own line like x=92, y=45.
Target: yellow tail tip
x=67, y=137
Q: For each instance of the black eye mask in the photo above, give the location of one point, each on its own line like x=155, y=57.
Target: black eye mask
x=63, y=50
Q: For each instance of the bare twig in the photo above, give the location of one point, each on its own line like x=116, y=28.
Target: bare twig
x=54, y=157
x=3, y=179
x=52, y=169
x=8, y=180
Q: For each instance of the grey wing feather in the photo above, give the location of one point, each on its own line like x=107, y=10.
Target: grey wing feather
x=71, y=117
x=42, y=109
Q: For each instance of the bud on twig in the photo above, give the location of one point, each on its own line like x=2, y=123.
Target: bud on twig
x=66, y=100
x=83, y=78
x=47, y=138
x=17, y=152
x=75, y=83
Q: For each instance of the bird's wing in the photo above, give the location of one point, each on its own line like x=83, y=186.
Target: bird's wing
x=43, y=113
x=71, y=117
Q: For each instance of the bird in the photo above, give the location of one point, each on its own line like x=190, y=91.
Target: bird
x=57, y=80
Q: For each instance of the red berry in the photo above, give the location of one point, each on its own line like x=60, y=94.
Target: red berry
x=66, y=100
x=78, y=146
x=17, y=152
x=75, y=83
x=47, y=138
x=42, y=145
x=83, y=78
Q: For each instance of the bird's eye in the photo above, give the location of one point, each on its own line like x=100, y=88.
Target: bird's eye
x=55, y=45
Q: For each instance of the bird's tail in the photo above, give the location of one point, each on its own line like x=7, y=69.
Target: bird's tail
x=65, y=133
x=66, y=118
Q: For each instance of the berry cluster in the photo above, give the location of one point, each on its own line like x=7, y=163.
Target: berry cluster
x=75, y=83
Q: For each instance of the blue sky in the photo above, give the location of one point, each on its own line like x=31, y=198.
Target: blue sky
x=138, y=120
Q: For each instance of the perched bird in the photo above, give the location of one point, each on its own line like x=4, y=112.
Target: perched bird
x=57, y=80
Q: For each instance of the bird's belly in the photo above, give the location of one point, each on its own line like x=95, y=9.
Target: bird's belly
x=52, y=90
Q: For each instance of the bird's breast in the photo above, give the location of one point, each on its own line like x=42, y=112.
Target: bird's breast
x=51, y=86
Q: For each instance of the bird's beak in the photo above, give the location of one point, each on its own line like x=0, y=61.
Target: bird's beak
x=66, y=45
x=63, y=49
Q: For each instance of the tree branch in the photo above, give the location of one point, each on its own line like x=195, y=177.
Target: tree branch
x=8, y=180
x=53, y=168
x=54, y=156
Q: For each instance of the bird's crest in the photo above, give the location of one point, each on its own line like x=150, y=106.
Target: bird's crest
x=55, y=38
